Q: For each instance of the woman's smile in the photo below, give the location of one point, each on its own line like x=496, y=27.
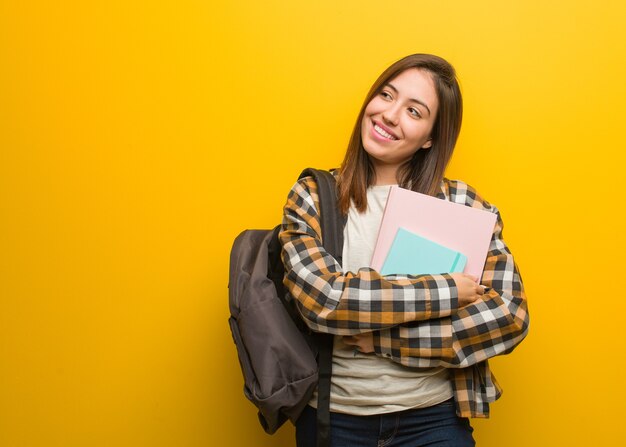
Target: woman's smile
x=382, y=131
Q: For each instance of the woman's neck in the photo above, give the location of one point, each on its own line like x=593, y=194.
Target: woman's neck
x=385, y=175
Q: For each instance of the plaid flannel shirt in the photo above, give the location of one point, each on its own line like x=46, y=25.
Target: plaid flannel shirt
x=416, y=320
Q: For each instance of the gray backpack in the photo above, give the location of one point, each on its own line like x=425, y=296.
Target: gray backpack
x=281, y=359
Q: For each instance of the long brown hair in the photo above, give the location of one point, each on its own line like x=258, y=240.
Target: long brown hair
x=424, y=172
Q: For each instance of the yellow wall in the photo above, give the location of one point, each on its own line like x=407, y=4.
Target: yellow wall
x=134, y=137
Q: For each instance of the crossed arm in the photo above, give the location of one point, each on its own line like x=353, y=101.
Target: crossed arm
x=415, y=320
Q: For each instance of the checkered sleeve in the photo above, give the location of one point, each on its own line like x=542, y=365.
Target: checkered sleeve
x=344, y=304
x=490, y=326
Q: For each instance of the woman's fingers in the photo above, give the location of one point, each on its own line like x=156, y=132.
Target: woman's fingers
x=363, y=342
x=469, y=290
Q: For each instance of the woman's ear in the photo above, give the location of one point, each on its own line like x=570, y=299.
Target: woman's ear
x=428, y=144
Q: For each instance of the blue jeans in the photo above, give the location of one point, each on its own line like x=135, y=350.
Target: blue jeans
x=436, y=426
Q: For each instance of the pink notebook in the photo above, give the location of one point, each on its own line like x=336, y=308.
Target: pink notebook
x=456, y=226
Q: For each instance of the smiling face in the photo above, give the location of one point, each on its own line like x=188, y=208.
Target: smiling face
x=398, y=121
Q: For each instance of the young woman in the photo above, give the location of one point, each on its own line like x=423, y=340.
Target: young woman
x=410, y=352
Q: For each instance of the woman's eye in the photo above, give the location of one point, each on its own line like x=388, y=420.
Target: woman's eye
x=385, y=95
x=413, y=111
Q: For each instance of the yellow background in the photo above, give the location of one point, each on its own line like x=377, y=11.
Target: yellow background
x=137, y=139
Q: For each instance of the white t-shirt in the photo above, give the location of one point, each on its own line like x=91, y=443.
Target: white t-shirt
x=365, y=384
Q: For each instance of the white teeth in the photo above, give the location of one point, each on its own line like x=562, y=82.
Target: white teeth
x=382, y=132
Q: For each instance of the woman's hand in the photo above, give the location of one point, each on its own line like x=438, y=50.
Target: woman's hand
x=362, y=342
x=468, y=288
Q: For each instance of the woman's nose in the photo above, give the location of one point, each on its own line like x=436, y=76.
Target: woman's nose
x=390, y=116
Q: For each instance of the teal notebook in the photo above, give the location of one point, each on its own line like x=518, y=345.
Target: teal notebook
x=411, y=254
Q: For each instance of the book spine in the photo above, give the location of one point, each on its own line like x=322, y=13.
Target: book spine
x=456, y=261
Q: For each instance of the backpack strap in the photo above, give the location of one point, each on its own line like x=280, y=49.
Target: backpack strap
x=331, y=219
x=332, y=223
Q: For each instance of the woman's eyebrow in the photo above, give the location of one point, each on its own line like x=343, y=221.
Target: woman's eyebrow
x=390, y=85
